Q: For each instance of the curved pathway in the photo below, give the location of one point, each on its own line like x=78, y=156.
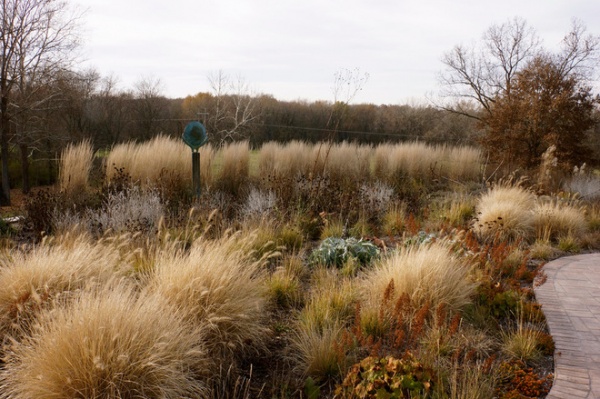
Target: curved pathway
x=570, y=299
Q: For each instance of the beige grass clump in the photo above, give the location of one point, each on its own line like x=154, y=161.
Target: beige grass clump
x=316, y=342
x=394, y=162
x=109, y=343
x=428, y=274
x=422, y=161
x=31, y=280
x=160, y=155
x=147, y=162
x=332, y=300
x=382, y=161
x=522, y=343
x=122, y=156
x=505, y=212
x=75, y=166
x=218, y=286
x=284, y=289
x=462, y=163
x=267, y=156
x=295, y=158
x=416, y=159
x=317, y=351
x=553, y=221
x=234, y=167
x=349, y=163
x=207, y=158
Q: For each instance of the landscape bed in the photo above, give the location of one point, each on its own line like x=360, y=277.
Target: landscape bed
x=303, y=270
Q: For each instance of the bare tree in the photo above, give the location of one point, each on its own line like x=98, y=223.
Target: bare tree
x=109, y=112
x=76, y=90
x=150, y=106
x=233, y=109
x=346, y=85
x=480, y=74
x=37, y=41
x=527, y=98
x=579, y=54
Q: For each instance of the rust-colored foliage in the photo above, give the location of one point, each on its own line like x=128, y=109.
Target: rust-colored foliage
x=544, y=106
x=412, y=225
x=387, y=377
x=404, y=325
x=517, y=381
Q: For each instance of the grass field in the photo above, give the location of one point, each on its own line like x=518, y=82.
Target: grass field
x=303, y=270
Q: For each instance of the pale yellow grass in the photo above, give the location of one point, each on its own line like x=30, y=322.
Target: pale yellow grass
x=31, y=280
x=332, y=300
x=522, y=343
x=505, y=212
x=110, y=343
x=218, y=286
x=293, y=159
x=349, y=163
x=381, y=163
x=75, y=166
x=146, y=162
x=542, y=249
x=473, y=382
x=266, y=158
x=414, y=159
x=284, y=289
x=207, y=157
x=235, y=166
x=424, y=161
x=427, y=274
x=318, y=352
x=122, y=156
x=316, y=347
x=462, y=163
x=554, y=220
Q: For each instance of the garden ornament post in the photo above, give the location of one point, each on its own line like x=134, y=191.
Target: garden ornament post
x=194, y=135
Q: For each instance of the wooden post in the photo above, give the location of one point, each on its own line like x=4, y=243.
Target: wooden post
x=196, y=174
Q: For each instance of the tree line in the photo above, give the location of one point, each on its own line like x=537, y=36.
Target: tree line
x=86, y=105
x=507, y=93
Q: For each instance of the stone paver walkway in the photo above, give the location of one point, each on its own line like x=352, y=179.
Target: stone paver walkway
x=570, y=299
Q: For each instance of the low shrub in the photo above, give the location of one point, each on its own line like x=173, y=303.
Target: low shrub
x=131, y=210
x=39, y=211
x=516, y=380
x=335, y=251
x=387, y=377
x=258, y=205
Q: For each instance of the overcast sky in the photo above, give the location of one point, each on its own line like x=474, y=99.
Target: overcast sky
x=291, y=49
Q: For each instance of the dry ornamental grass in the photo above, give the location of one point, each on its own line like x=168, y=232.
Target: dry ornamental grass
x=109, y=343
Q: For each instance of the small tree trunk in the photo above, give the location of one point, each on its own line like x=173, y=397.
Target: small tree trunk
x=5, y=194
x=4, y=126
x=25, y=168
